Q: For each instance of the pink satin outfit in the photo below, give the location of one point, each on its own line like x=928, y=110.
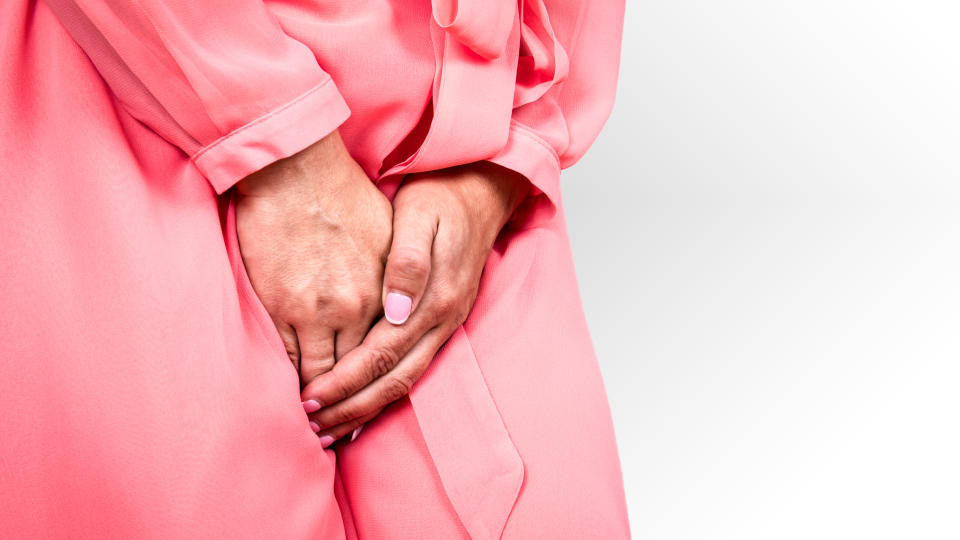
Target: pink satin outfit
x=145, y=392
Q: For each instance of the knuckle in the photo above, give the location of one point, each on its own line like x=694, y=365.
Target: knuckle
x=353, y=309
x=373, y=305
x=347, y=304
x=294, y=358
x=292, y=347
x=460, y=316
x=448, y=307
x=381, y=362
x=446, y=303
x=298, y=298
x=314, y=368
x=341, y=388
x=299, y=311
x=368, y=303
x=409, y=264
x=438, y=314
x=343, y=414
x=396, y=387
x=463, y=309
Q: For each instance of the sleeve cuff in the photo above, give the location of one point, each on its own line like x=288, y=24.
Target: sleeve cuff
x=534, y=158
x=280, y=133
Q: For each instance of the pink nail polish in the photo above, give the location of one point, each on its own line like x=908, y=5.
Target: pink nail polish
x=356, y=433
x=326, y=441
x=396, y=308
x=311, y=405
x=314, y=426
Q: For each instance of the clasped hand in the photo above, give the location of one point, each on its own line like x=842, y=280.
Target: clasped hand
x=362, y=292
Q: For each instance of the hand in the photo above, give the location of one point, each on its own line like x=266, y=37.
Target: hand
x=444, y=225
x=314, y=233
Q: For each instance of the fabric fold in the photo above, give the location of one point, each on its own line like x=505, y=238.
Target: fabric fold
x=472, y=104
x=477, y=462
x=543, y=61
x=219, y=78
x=482, y=25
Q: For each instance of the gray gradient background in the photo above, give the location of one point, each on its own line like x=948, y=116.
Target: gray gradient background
x=766, y=236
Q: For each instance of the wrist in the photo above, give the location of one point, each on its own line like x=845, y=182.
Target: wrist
x=506, y=189
x=318, y=168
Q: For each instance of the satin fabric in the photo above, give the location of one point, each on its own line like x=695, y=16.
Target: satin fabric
x=147, y=393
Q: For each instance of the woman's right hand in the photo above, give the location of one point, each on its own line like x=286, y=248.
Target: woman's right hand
x=314, y=233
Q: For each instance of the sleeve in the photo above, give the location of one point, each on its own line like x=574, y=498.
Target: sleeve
x=566, y=83
x=218, y=78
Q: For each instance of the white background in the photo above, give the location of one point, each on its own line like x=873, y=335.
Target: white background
x=767, y=237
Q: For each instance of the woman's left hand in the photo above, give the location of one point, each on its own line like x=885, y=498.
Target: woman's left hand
x=444, y=226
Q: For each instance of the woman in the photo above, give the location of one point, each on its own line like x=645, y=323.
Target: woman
x=188, y=208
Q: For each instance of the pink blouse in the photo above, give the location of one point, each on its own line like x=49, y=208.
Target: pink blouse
x=412, y=86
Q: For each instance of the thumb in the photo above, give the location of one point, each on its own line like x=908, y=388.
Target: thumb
x=408, y=264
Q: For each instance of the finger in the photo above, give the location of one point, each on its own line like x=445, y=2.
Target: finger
x=289, y=337
x=346, y=429
x=386, y=389
x=348, y=338
x=408, y=264
x=317, y=348
x=380, y=351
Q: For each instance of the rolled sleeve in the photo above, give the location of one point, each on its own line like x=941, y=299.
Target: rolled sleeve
x=220, y=79
x=281, y=133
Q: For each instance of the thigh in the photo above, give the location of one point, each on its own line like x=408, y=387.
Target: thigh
x=528, y=337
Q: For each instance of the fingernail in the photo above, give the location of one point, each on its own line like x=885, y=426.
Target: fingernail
x=314, y=426
x=311, y=405
x=326, y=441
x=397, y=307
x=356, y=433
